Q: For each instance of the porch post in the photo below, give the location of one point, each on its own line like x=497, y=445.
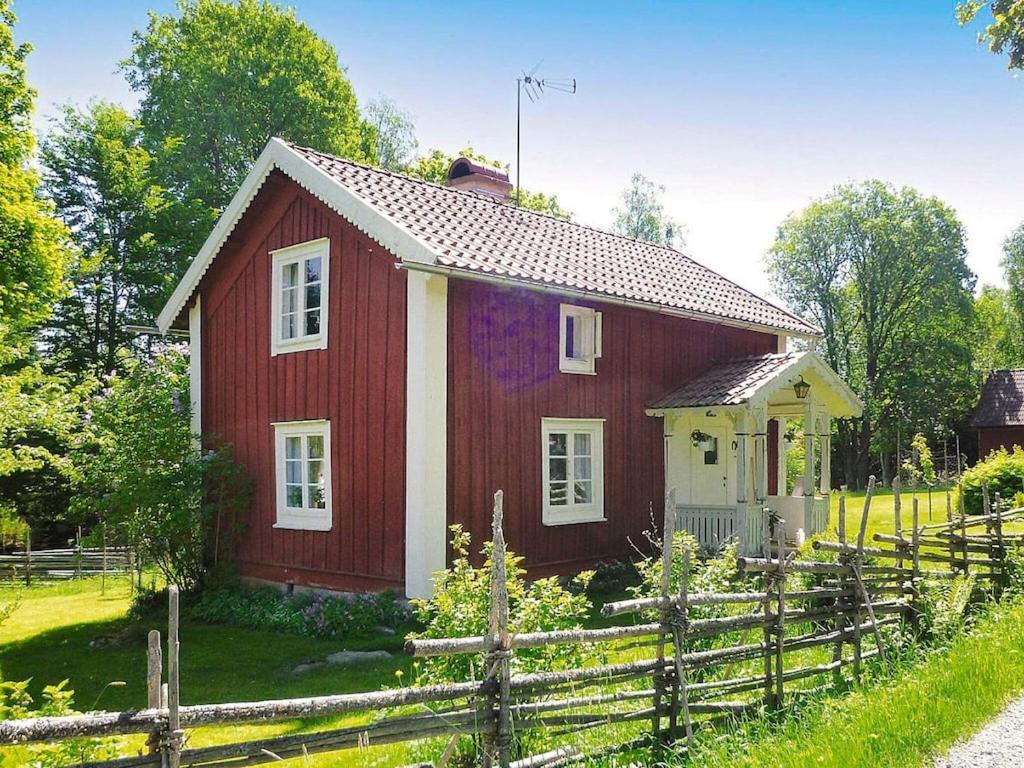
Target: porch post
x=781, y=468
x=809, y=428
x=742, y=430
x=761, y=455
x=825, y=438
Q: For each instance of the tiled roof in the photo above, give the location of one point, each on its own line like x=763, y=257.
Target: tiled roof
x=1002, y=400
x=730, y=383
x=472, y=233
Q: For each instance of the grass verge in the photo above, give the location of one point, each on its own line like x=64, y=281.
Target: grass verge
x=902, y=720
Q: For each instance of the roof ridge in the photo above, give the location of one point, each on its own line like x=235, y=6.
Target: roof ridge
x=531, y=212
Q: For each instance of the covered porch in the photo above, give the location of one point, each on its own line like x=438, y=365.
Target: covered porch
x=726, y=446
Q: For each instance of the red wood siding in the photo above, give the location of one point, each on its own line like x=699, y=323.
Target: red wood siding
x=503, y=378
x=358, y=383
x=993, y=438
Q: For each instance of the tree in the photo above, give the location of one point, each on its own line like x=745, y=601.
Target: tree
x=1000, y=335
x=642, y=215
x=882, y=271
x=1005, y=33
x=396, y=134
x=1013, y=269
x=220, y=78
x=33, y=244
x=100, y=177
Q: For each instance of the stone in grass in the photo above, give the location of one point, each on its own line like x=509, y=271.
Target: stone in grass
x=344, y=658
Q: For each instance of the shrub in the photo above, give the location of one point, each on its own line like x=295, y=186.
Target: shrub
x=460, y=607
x=16, y=704
x=1002, y=471
x=142, y=475
x=322, y=616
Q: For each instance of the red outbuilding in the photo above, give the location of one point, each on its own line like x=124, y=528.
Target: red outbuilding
x=999, y=415
x=384, y=353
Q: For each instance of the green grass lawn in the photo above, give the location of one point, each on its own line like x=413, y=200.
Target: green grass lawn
x=50, y=637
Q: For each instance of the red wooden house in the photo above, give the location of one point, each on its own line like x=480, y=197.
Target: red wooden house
x=384, y=353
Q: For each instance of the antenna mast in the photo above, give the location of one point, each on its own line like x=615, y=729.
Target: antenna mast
x=534, y=87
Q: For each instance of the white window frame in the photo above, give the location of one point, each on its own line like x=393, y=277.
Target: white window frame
x=572, y=512
x=589, y=321
x=305, y=518
x=280, y=258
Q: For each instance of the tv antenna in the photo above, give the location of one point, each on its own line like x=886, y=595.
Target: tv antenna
x=534, y=88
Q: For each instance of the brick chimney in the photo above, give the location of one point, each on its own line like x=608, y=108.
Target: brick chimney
x=476, y=177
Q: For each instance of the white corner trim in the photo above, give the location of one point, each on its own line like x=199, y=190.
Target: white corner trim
x=299, y=252
x=195, y=367
x=277, y=154
x=426, y=429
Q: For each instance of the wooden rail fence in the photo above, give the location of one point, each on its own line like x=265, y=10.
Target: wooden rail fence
x=686, y=684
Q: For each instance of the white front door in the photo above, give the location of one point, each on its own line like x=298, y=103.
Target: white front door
x=709, y=460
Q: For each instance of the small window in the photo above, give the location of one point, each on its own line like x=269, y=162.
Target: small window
x=579, y=339
x=303, y=457
x=299, y=303
x=711, y=450
x=573, y=451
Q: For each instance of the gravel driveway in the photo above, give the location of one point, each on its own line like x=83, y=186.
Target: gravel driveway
x=998, y=745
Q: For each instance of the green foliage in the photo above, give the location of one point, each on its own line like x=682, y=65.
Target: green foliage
x=101, y=179
x=919, y=466
x=395, y=132
x=943, y=605
x=1000, y=333
x=642, y=215
x=882, y=271
x=1005, y=32
x=1013, y=269
x=58, y=701
x=460, y=607
x=218, y=79
x=434, y=166
x=33, y=243
x=141, y=473
x=270, y=610
x=1002, y=471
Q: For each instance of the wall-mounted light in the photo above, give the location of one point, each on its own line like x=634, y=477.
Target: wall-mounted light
x=801, y=388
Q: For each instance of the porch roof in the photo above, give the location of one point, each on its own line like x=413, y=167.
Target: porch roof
x=756, y=378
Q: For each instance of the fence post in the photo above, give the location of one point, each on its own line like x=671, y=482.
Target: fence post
x=103, y=577
x=915, y=617
x=154, y=673
x=897, y=520
x=174, y=735
x=660, y=676
x=28, y=557
x=767, y=631
x=839, y=624
x=677, y=631
x=1000, y=550
x=78, y=553
x=780, y=614
x=499, y=745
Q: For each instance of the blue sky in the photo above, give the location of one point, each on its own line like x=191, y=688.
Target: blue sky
x=744, y=111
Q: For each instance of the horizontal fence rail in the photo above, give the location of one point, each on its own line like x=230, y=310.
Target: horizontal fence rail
x=685, y=681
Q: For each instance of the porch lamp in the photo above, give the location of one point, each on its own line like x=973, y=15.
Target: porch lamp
x=801, y=388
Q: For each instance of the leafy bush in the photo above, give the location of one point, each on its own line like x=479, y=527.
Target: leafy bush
x=16, y=704
x=944, y=605
x=142, y=475
x=269, y=609
x=460, y=607
x=1002, y=471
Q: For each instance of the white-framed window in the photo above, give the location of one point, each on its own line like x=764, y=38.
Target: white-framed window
x=299, y=281
x=302, y=451
x=573, y=455
x=579, y=338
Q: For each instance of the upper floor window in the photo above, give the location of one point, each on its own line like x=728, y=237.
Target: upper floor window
x=299, y=287
x=579, y=338
x=303, y=457
x=573, y=470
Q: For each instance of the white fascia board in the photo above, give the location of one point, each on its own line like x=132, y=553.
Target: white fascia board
x=803, y=362
x=277, y=154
